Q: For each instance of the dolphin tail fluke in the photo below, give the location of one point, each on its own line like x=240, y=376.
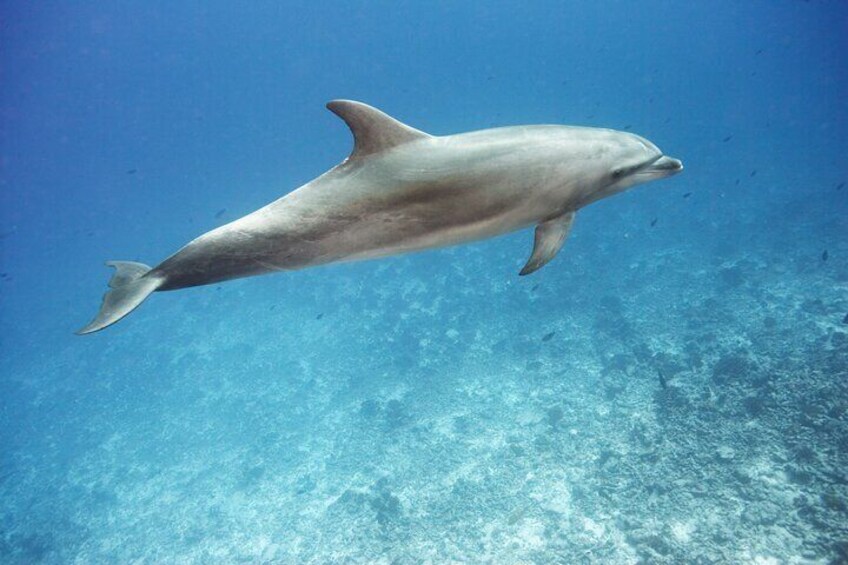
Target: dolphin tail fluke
x=130, y=285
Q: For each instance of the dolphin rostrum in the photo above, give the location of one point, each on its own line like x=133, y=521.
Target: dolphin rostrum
x=403, y=190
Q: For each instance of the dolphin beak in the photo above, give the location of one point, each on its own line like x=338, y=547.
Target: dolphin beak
x=664, y=167
x=661, y=168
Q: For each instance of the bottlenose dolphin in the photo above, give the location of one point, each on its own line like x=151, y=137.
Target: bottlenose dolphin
x=404, y=190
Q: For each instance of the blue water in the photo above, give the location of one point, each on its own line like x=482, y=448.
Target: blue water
x=671, y=388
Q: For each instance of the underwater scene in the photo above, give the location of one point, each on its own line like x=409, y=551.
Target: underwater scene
x=671, y=386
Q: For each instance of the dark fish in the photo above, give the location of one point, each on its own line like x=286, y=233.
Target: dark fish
x=754, y=173
x=845, y=319
x=132, y=171
x=663, y=382
x=687, y=195
x=728, y=138
x=758, y=51
x=319, y=316
x=3, y=275
x=535, y=288
x=737, y=182
x=825, y=255
x=653, y=222
x=840, y=186
x=220, y=212
x=547, y=337
x=627, y=127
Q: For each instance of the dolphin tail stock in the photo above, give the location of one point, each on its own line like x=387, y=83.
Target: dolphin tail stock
x=129, y=286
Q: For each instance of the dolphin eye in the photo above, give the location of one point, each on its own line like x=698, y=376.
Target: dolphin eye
x=616, y=173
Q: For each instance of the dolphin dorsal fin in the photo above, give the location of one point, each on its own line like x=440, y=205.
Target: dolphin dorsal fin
x=373, y=131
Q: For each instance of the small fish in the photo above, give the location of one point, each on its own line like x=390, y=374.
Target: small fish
x=840, y=186
x=548, y=336
x=132, y=171
x=653, y=222
x=220, y=212
x=627, y=127
x=687, y=195
x=754, y=173
x=737, y=182
x=663, y=382
x=728, y=138
x=535, y=288
x=825, y=255
x=319, y=316
x=845, y=319
x=759, y=51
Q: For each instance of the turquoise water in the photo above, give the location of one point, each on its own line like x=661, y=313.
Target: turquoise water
x=671, y=388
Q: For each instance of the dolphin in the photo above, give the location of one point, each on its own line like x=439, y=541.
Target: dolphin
x=403, y=190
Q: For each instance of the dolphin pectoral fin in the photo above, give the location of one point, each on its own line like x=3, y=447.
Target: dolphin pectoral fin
x=373, y=131
x=550, y=237
x=129, y=287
